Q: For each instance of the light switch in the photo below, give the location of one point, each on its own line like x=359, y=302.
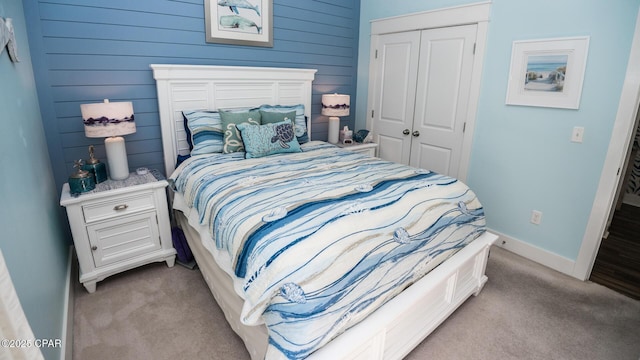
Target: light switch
x=577, y=134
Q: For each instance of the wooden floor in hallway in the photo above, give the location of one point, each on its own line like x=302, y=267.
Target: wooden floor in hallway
x=617, y=264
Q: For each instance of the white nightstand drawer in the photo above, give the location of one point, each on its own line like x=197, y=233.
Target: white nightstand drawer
x=114, y=241
x=117, y=206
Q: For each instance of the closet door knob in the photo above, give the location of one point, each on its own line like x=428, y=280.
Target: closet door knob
x=406, y=131
x=416, y=133
x=94, y=248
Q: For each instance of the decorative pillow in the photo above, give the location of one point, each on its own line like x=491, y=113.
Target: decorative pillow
x=206, y=131
x=268, y=139
x=300, y=121
x=270, y=117
x=185, y=124
x=232, y=141
x=181, y=158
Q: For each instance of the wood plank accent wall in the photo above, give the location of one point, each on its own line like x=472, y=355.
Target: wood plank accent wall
x=84, y=51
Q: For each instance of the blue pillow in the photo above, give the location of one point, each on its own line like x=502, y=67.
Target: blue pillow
x=268, y=139
x=206, y=131
x=267, y=117
x=300, y=121
x=185, y=124
x=181, y=158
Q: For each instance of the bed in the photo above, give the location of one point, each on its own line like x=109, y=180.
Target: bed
x=270, y=306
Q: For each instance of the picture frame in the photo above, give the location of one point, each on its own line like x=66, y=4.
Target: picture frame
x=239, y=22
x=548, y=72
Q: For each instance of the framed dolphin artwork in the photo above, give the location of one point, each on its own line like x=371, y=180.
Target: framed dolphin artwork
x=239, y=22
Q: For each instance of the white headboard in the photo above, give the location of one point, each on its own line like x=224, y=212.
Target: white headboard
x=199, y=87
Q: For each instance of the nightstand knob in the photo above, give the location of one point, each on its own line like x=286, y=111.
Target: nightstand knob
x=406, y=131
x=94, y=248
x=120, y=207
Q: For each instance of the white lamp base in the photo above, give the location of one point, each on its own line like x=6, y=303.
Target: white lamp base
x=334, y=129
x=117, y=157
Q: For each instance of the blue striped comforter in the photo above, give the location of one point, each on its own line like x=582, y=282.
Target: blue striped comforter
x=320, y=239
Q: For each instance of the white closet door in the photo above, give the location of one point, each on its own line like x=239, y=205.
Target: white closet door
x=396, y=75
x=442, y=97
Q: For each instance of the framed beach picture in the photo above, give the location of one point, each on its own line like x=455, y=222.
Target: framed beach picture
x=239, y=22
x=547, y=72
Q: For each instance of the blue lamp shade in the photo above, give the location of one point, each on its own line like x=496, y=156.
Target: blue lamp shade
x=111, y=121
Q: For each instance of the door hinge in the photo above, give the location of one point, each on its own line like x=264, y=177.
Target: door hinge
x=376, y=56
x=157, y=219
x=372, y=112
x=464, y=127
x=474, y=48
x=618, y=173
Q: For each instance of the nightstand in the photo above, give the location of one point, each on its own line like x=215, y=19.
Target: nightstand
x=118, y=226
x=363, y=148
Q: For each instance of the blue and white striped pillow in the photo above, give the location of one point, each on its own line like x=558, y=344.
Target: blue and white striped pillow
x=206, y=131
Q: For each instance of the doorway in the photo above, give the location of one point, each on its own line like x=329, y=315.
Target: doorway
x=623, y=132
x=617, y=264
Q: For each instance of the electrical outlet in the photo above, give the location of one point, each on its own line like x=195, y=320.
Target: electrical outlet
x=577, y=134
x=536, y=217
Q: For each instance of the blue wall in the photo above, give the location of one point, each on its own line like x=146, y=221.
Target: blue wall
x=522, y=157
x=88, y=50
x=32, y=242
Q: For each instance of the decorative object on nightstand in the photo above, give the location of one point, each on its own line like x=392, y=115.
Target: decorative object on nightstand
x=111, y=121
x=360, y=135
x=119, y=225
x=97, y=169
x=81, y=180
x=346, y=135
x=335, y=105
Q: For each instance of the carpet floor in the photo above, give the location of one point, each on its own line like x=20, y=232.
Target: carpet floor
x=525, y=311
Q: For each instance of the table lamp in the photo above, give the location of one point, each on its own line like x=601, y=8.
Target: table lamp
x=111, y=121
x=335, y=105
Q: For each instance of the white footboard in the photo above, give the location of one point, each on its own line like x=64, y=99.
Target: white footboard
x=401, y=324
x=392, y=331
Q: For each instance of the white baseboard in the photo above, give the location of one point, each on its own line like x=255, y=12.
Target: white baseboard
x=534, y=253
x=66, y=352
x=631, y=199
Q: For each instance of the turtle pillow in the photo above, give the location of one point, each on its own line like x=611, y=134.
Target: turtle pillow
x=300, y=121
x=268, y=139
